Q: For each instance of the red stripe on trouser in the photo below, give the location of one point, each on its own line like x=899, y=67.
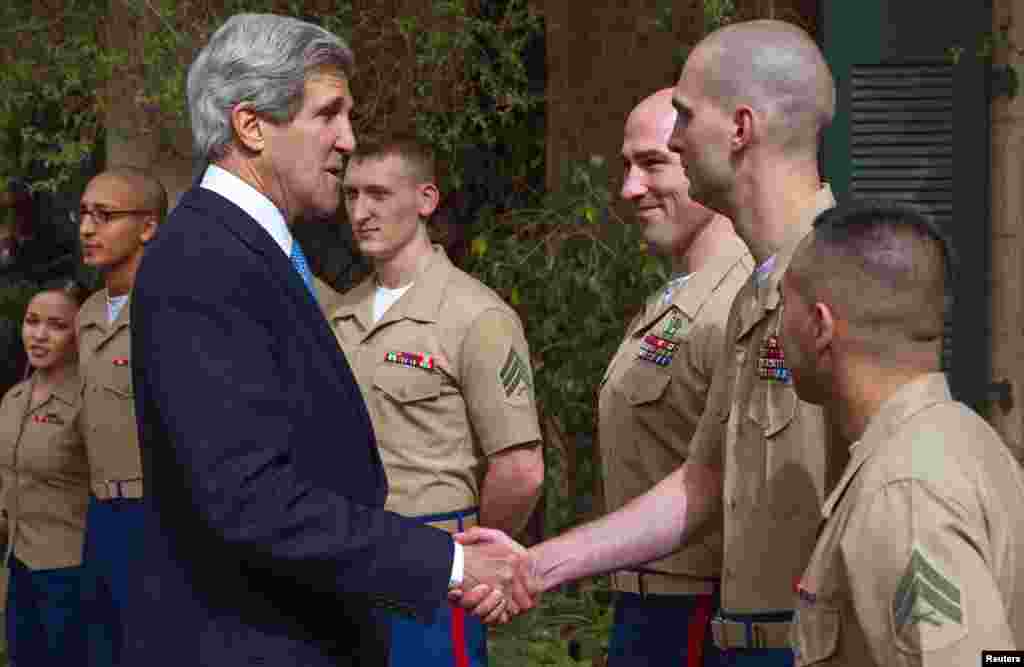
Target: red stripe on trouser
x=697, y=631
x=459, y=637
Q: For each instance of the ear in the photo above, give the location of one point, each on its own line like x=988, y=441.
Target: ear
x=429, y=197
x=248, y=127
x=744, y=123
x=825, y=327
x=148, y=230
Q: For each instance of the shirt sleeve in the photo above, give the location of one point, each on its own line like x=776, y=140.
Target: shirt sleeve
x=923, y=591
x=497, y=382
x=708, y=445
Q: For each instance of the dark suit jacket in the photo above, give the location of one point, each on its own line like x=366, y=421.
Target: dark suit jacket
x=265, y=538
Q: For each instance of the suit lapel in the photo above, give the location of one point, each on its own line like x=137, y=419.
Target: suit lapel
x=253, y=236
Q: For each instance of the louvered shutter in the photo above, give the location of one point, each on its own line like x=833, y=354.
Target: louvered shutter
x=905, y=109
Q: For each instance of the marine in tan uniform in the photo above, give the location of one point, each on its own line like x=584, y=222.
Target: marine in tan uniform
x=118, y=214
x=919, y=556
x=753, y=99
x=444, y=369
x=44, y=475
x=656, y=386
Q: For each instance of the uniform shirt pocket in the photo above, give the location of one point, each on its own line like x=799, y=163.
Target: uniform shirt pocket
x=119, y=379
x=641, y=385
x=772, y=406
x=815, y=634
x=405, y=384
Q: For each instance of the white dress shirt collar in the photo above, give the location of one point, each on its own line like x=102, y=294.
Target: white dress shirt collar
x=250, y=200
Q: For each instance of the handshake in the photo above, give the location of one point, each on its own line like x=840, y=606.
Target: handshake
x=500, y=577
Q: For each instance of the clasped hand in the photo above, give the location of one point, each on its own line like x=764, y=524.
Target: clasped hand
x=499, y=581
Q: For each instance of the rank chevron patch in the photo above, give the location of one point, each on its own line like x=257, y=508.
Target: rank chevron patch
x=925, y=597
x=513, y=373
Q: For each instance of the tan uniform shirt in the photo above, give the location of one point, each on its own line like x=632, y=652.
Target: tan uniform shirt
x=45, y=476
x=769, y=445
x=921, y=556
x=446, y=377
x=108, y=409
x=651, y=399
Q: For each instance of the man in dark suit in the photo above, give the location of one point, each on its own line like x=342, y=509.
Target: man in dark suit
x=266, y=541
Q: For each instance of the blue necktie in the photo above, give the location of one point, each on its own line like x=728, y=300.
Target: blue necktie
x=299, y=262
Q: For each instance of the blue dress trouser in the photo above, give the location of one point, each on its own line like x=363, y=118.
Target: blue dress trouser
x=44, y=618
x=455, y=638
x=654, y=630
x=113, y=539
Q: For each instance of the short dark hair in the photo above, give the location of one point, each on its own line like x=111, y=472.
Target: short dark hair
x=887, y=268
x=417, y=154
x=840, y=224
x=66, y=286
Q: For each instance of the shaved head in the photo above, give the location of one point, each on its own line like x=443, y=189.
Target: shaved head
x=655, y=114
x=151, y=192
x=654, y=181
x=882, y=268
x=775, y=68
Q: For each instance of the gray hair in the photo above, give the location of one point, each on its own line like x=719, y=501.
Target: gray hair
x=261, y=59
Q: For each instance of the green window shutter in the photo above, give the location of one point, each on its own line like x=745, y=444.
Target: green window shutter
x=904, y=110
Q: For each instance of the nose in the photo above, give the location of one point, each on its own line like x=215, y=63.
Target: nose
x=632, y=184
x=358, y=210
x=86, y=227
x=346, y=139
x=675, y=140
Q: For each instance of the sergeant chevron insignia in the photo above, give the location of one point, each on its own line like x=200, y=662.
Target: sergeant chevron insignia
x=514, y=374
x=926, y=610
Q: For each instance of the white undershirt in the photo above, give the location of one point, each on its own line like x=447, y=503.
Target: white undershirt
x=114, y=306
x=386, y=297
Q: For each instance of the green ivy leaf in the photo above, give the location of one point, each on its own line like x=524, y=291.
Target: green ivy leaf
x=479, y=246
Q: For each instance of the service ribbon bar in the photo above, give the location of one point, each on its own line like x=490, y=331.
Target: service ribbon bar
x=424, y=361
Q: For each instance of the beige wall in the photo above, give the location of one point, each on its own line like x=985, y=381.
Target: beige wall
x=1007, y=267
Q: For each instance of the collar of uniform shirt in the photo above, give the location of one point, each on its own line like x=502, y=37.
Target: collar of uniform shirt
x=674, y=283
x=250, y=200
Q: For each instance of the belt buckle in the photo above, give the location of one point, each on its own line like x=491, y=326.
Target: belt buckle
x=114, y=490
x=724, y=632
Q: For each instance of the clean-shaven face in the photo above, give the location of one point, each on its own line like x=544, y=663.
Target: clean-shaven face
x=654, y=181
x=107, y=246
x=303, y=160
x=48, y=330
x=385, y=203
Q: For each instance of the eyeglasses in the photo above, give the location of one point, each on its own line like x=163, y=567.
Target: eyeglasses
x=102, y=216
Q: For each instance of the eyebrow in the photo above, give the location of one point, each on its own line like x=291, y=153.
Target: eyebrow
x=651, y=154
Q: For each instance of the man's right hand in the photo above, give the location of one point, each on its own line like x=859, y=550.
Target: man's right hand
x=498, y=561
